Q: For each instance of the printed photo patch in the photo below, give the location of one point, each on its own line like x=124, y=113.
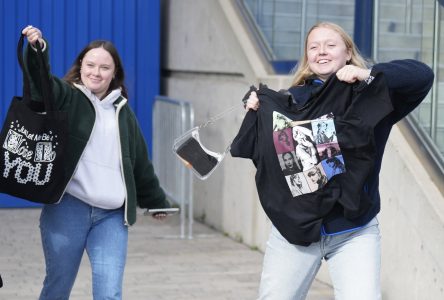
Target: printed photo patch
x=308, y=152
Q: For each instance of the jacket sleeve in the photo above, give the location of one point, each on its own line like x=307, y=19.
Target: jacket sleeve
x=60, y=89
x=244, y=144
x=149, y=192
x=409, y=82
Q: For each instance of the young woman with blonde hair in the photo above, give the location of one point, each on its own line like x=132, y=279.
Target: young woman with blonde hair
x=351, y=246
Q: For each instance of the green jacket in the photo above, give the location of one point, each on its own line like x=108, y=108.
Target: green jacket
x=142, y=184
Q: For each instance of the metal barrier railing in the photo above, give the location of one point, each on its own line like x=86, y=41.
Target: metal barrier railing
x=171, y=118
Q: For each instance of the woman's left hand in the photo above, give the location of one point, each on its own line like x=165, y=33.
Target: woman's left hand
x=351, y=73
x=160, y=216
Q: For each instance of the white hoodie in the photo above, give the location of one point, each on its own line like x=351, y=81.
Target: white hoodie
x=98, y=178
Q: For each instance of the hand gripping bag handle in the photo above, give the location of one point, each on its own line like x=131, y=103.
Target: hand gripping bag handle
x=48, y=98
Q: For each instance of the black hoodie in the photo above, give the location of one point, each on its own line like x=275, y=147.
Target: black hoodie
x=363, y=117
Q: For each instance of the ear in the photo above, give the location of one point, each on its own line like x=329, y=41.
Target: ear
x=349, y=55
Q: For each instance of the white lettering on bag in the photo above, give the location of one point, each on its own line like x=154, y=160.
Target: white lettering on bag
x=16, y=142
x=33, y=172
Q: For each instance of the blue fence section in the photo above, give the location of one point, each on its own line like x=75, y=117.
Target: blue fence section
x=132, y=25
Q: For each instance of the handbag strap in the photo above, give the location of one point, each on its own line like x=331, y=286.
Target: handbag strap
x=48, y=98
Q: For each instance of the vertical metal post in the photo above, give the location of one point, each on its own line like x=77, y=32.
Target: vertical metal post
x=303, y=27
x=375, y=30
x=182, y=188
x=434, y=98
x=189, y=195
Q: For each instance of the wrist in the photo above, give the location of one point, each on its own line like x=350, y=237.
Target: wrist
x=369, y=78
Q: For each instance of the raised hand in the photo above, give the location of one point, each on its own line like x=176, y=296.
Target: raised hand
x=351, y=73
x=33, y=34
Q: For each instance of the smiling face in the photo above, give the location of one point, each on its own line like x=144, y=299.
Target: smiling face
x=326, y=52
x=97, y=71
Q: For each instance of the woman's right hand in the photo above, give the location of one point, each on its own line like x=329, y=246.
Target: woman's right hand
x=33, y=34
x=252, y=102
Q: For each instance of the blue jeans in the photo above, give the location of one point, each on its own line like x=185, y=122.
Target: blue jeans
x=70, y=227
x=354, y=262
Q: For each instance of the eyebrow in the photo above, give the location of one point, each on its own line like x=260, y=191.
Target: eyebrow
x=92, y=62
x=329, y=40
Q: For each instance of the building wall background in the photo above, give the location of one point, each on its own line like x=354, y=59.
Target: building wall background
x=211, y=61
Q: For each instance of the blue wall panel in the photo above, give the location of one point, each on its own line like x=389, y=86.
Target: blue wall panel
x=132, y=25
x=363, y=33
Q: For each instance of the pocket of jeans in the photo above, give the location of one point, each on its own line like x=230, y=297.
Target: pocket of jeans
x=368, y=230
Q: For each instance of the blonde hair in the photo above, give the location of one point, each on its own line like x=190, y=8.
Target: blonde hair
x=303, y=71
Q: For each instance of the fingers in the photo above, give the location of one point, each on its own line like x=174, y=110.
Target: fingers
x=33, y=34
x=347, y=74
x=160, y=216
x=252, y=102
x=350, y=74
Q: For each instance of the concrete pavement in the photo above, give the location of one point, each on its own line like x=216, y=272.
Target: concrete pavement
x=160, y=265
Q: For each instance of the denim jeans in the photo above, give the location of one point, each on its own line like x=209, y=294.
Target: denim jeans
x=354, y=262
x=69, y=228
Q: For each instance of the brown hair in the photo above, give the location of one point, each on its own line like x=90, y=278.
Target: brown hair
x=73, y=74
x=303, y=71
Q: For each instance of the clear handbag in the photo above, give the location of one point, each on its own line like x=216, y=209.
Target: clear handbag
x=190, y=149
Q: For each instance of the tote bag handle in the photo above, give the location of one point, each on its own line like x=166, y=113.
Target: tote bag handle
x=48, y=98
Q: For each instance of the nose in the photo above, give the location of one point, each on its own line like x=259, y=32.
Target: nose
x=96, y=71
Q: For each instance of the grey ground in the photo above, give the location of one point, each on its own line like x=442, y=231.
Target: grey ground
x=160, y=265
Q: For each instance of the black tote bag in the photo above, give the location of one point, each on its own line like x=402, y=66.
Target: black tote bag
x=33, y=142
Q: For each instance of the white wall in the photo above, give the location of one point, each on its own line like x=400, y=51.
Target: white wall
x=211, y=62
x=412, y=224
x=212, y=65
